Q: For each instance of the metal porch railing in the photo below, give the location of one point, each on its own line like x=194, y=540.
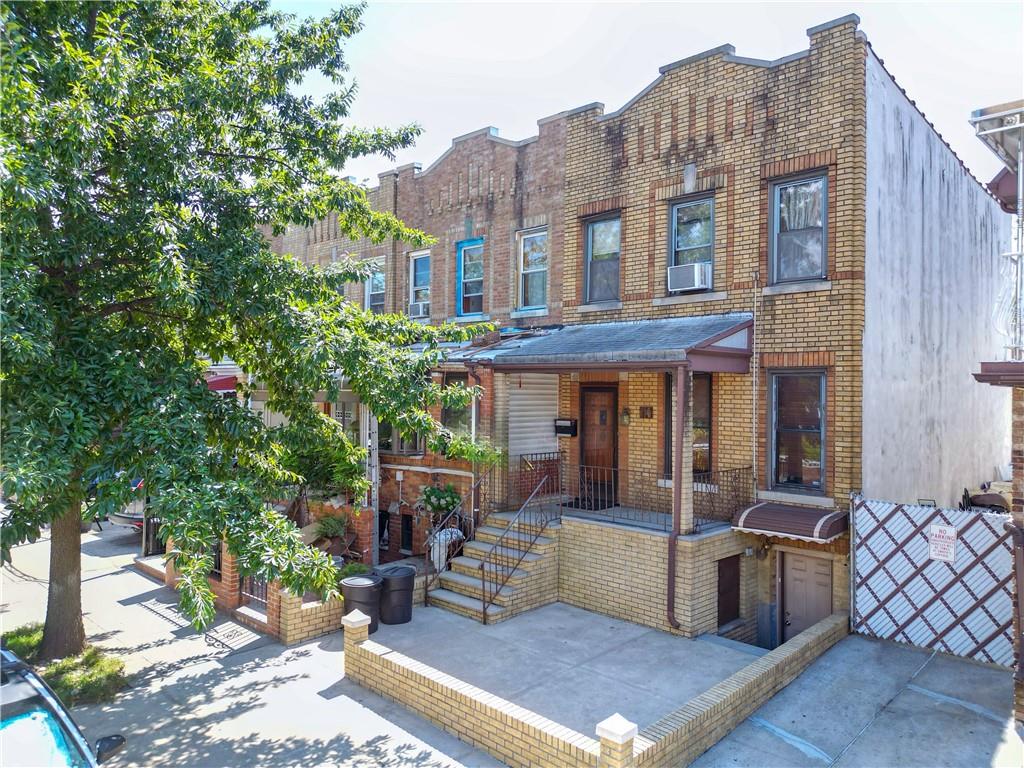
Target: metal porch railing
x=515, y=542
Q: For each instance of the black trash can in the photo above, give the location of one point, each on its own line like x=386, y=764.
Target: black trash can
x=396, y=597
x=363, y=593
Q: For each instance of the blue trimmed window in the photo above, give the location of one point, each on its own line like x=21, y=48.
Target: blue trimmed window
x=469, y=278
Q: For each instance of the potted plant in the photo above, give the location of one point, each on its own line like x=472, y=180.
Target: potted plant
x=439, y=501
x=333, y=530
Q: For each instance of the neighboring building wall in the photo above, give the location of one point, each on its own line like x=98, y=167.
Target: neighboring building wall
x=933, y=241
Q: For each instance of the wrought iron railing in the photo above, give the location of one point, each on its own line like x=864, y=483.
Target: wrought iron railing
x=628, y=496
x=644, y=499
x=441, y=547
x=719, y=495
x=254, y=590
x=515, y=542
x=217, y=567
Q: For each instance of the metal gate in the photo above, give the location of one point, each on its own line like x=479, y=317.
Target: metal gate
x=254, y=591
x=934, y=578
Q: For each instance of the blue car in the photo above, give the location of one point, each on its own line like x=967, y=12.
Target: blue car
x=36, y=729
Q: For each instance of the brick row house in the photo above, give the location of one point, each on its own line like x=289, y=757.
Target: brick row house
x=747, y=293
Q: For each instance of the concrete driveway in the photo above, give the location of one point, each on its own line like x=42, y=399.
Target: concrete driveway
x=227, y=697
x=877, y=704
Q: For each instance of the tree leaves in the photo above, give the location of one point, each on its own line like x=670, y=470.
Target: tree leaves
x=144, y=150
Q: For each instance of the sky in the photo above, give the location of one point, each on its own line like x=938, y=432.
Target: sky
x=456, y=67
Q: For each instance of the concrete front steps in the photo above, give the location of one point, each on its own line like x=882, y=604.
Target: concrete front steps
x=530, y=584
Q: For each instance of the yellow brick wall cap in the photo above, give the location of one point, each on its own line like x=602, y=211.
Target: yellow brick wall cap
x=617, y=729
x=355, y=619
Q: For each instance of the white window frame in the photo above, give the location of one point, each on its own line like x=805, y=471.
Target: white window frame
x=413, y=258
x=672, y=234
x=376, y=267
x=521, y=238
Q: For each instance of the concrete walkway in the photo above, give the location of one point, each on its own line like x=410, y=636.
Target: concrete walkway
x=572, y=666
x=227, y=697
x=872, y=703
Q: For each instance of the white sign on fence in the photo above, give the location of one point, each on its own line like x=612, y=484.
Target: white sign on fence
x=942, y=543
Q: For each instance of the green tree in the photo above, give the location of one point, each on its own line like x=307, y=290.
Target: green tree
x=147, y=148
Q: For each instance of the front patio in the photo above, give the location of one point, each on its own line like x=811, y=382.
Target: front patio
x=569, y=665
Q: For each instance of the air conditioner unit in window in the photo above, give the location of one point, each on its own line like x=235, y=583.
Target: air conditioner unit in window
x=419, y=309
x=690, y=277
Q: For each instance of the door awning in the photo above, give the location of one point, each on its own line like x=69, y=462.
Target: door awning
x=719, y=343
x=222, y=383
x=789, y=521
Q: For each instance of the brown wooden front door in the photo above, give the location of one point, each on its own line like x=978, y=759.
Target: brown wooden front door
x=599, y=423
x=728, y=590
x=598, y=460
x=806, y=592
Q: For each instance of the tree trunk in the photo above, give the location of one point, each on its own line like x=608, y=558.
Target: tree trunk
x=64, y=633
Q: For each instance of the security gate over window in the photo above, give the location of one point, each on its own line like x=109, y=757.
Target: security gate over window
x=934, y=578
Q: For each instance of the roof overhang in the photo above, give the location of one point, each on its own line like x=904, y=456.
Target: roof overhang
x=1004, y=374
x=1001, y=129
x=721, y=344
x=789, y=521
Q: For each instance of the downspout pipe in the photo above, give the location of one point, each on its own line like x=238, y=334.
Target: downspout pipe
x=471, y=368
x=682, y=384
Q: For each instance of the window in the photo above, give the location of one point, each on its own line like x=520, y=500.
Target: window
x=701, y=417
x=693, y=232
x=375, y=289
x=533, y=269
x=798, y=430
x=390, y=441
x=470, y=278
x=701, y=423
x=346, y=412
x=419, y=284
x=602, y=260
x=458, y=420
x=798, y=230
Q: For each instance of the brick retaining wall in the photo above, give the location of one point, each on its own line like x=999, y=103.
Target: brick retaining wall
x=520, y=737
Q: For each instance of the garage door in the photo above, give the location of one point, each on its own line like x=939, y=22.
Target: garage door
x=532, y=407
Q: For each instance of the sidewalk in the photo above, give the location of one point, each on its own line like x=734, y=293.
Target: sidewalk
x=225, y=697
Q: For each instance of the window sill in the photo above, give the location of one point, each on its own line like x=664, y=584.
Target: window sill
x=536, y=312
x=689, y=298
x=469, y=319
x=801, y=499
x=807, y=286
x=600, y=306
x=666, y=482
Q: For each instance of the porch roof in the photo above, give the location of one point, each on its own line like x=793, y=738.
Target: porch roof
x=791, y=522
x=706, y=342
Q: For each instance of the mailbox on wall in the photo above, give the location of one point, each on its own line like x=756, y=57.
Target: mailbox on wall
x=565, y=427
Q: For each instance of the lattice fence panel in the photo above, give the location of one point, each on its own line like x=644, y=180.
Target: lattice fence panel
x=901, y=593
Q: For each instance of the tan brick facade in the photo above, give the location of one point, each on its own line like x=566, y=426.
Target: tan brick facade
x=724, y=128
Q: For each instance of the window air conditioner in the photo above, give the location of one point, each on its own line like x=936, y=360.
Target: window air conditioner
x=419, y=309
x=690, y=277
